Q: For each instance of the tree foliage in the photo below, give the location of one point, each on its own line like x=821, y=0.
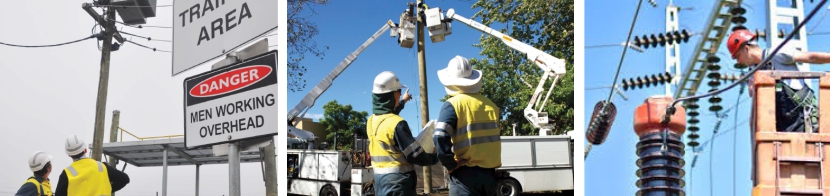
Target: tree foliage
x=343, y=121
x=509, y=78
x=301, y=32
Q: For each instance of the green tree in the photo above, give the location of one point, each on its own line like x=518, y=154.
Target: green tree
x=343, y=121
x=301, y=32
x=510, y=78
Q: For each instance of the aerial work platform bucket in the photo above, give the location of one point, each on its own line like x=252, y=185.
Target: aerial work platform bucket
x=787, y=163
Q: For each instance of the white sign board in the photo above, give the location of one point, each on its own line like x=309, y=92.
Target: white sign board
x=206, y=29
x=232, y=103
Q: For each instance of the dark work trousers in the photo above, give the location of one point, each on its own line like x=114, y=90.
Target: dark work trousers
x=395, y=184
x=469, y=181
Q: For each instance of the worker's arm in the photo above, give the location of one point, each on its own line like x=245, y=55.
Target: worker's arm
x=442, y=136
x=27, y=189
x=400, y=107
x=118, y=179
x=411, y=149
x=401, y=103
x=812, y=57
x=60, y=190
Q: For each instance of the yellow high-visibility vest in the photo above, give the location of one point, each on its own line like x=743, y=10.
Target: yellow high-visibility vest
x=385, y=156
x=45, y=186
x=87, y=177
x=477, y=138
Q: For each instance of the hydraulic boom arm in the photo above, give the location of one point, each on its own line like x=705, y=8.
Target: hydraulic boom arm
x=553, y=68
x=301, y=108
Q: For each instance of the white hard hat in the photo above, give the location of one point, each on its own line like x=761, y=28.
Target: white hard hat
x=460, y=76
x=74, y=145
x=39, y=160
x=386, y=82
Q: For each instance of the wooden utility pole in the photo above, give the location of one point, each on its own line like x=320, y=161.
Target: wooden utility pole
x=422, y=77
x=116, y=117
x=103, y=80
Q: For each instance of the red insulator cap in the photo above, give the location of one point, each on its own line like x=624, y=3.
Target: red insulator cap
x=648, y=117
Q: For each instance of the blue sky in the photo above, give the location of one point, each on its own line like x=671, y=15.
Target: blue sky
x=344, y=26
x=611, y=165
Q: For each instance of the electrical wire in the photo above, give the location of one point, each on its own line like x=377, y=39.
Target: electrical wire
x=735, y=138
x=766, y=60
x=126, y=6
x=625, y=49
x=51, y=45
x=154, y=49
x=712, y=151
x=148, y=38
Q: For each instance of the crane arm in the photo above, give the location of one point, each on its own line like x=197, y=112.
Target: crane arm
x=543, y=60
x=301, y=108
x=551, y=66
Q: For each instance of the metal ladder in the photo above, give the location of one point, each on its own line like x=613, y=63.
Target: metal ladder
x=799, y=160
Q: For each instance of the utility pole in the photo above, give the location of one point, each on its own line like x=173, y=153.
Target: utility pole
x=116, y=116
x=103, y=79
x=422, y=77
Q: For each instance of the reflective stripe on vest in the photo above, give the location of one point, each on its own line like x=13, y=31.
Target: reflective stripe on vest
x=385, y=156
x=389, y=170
x=43, y=188
x=87, y=177
x=477, y=135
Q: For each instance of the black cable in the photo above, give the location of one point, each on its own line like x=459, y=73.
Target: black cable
x=712, y=151
x=154, y=49
x=126, y=6
x=52, y=45
x=625, y=49
x=670, y=111
x=148, y=38
x=619, y=67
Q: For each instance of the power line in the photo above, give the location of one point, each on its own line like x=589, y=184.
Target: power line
x=148, y=38
x=154, y=49
x=126, y=6
x=99, y=35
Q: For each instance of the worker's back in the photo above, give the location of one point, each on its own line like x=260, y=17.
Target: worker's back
x=87, y=177
x=477, y=135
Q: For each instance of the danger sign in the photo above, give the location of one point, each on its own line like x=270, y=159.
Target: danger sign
x=233, y=103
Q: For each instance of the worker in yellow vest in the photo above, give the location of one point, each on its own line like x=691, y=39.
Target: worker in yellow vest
x=38, y=185
x=86, y=176
x=393, y=151
x=467, y=136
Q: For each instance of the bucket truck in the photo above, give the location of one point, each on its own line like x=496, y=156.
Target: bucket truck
x=530, y=163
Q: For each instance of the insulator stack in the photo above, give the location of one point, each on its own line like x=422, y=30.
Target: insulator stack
x=662, y=39
x=660, y=172
x=691, y=111
x=653, y=4
x=646, y=81
x=738, y=18
x=601, y=122
x=714, y=81
x=731, y=77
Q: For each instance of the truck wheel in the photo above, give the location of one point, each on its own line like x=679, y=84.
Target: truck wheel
x=509, y=187
x=328, y=190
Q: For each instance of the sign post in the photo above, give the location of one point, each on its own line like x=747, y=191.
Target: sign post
x=204, y=30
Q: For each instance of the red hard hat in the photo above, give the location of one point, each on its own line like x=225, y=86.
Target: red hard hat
x=737, y=39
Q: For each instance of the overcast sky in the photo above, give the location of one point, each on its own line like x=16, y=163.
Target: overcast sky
x=47, y=94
